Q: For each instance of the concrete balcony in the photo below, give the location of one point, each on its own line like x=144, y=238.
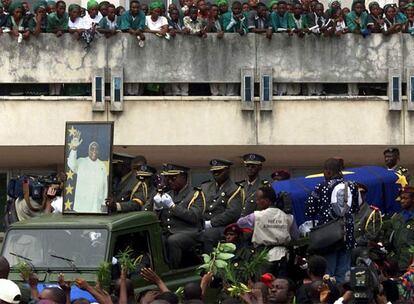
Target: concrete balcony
x=346, y=59
x=299, y=132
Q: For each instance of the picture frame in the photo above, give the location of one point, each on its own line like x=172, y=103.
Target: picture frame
x=88, y=159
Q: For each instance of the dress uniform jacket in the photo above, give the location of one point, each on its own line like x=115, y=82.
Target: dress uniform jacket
x=250, y=194
x=223, y=204
x=187, y=214
x=134, y=193
x=402, y=237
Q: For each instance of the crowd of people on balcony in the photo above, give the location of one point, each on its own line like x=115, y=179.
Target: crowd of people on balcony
x=200, y=17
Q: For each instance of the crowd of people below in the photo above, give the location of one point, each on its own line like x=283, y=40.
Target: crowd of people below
x=253, y=217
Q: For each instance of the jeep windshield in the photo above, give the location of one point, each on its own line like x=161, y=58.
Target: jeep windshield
x=56, y=249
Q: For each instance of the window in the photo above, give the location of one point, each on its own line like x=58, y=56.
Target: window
x=396, y=89
x=411, y=89
x=98, y=89
x=266, y=88
x=139, y=243
x=56, y=248
x=248, y=88
x=117, y=88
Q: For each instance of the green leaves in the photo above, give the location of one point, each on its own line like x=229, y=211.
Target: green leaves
x=225, y=256
x=227, y=247
x=24, y=269
x=206, y=258
x=104, y=275
x=125, y=260
x=238, y=289
x=217, y=259
x=220, y=263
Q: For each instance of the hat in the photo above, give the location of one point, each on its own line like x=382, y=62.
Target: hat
x=392, y=149
x=92, y=4
x=77, y=7
x=386, y=6
x=283, y=174
x=221, y=2
x=407, y=189
x=155, y=4
x=232, y=228
x=39, y=4
x=15, y=5
x=51, y=2
x=362, y=187
x=170, y=169
x=271, y=3
x=103, y=3
x=373, y=3
x=267, y=279
x=118, y=158
x=145, y=170
x=253, y=159
x=9, y=292
x=219, y=164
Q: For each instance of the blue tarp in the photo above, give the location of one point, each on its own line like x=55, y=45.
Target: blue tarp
x=381, y=183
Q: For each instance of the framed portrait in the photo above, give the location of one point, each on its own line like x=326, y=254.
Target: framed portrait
x=88, y=158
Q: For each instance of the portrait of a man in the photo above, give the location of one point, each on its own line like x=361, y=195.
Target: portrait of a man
x=88, y=155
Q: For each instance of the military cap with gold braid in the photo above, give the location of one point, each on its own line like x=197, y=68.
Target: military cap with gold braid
x=171, y=169
x=219, y=164
x=145, y=170
x=392, y=150
x=253, y=159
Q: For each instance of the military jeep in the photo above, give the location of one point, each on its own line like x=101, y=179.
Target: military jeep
x=75, y=245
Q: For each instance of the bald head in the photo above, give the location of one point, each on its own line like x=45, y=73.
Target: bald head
x=4, y=268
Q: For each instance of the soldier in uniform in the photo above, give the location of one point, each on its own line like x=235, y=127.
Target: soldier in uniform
x=136, y=193
x=180, y=211
x=224, y=203
x=401, y=231
x=253, y=163
x=391, y=158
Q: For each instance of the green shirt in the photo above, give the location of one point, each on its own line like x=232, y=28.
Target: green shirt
x=130, y=22
x=353, y=25
x=106, y=24
x=302, y=23
x=282, y=22
x=54, y=22
x=231, y=24
x=402, y=239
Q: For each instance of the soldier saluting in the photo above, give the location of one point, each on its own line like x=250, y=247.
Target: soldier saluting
x=180, y=211
x=253, y=164
x=224, y=203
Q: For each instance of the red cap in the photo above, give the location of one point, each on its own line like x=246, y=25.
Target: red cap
x=233, y=228
x=407, y=189
x=267, y=279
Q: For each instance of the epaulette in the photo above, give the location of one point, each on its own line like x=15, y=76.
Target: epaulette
x=240, y=184
x=265, y=182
